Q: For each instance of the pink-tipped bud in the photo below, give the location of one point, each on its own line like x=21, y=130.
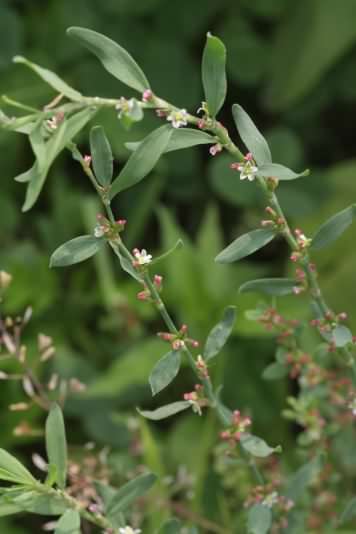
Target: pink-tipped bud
x=183, y=329
x=294, y=257
x=225, y=434
x=157, y=280
x=235, y=166
x=147, y=95
x=298, y=232
x=237, y=436
x=87, y=160
x=248, y=156
x=194, y=343
x=166, y=336
x=177, y=344
x=267, y=222
x=270, y=211
x=99, y=216
x=142, y=295
x=121, y=222
x=297, y=290
x=342, y=316
x=215, y=149
x=201, y=124
x=161, y=113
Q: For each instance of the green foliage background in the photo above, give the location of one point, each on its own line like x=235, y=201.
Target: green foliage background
x=292, y=65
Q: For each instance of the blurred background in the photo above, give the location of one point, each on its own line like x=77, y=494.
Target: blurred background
x=292, y=66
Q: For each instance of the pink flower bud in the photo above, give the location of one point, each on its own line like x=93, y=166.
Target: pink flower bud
x=201, y=124
x=157, y=279
x=87, y=160
x=215, y=149
x=248, y=157
x=147, y=95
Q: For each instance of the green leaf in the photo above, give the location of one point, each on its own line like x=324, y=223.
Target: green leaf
x=129, y=493
x=251, y=136
x=102, y=156
x=13, y=470
x=182, y=138
x=179, y=244
x=275, y=371
x=69, y=523
x=334, y=227
x=219, y=334
x=349, y=512
x=165, y=370
x=8, y=508
x=257, y=446
x=35, y=503
x=245, y=245
x=165, y=411
x=259, y=519
x=269, y=286
x=59, y=140
x=38, y=144
x=51, y=78
x=56, y=443
x=142, y=161
x=341, y=336
x=172, y=526
x=303, y=478
x=213, y=74
x=279, y=171
x=114, y=58
x=76, y=250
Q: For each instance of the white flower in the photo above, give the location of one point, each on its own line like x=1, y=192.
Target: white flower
x=129, y=530
x=270, y=499
x=99, y=230
x=178, y=118
x=247, y=170
x=125, y=106
x=142, y=257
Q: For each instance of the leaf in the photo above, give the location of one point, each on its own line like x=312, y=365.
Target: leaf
x=349, y=512
x=251, y=136
x=165, y=370
x=270, y=286
x=38, y=144
x=165, y=411
x=334, y=227
x=129, y=493
x=245, y=245
x=279, y=171
x=51, y=78
x=275, y=371
x=213, y=74
x=179, y=244
x=102, y=156
x=219, y=334
x=302, y=478
x=69, y=523
x=259, y=519
x=33, y=502
x=56, y=443
x=341, y=336
x=114, y=58
x=172, y=526
x=59, y=140
x=257, y=446
x=126, y=264
x=182, y=138
x=13, y=470
x=76, y=250
x=142, y=161
x=8, y=508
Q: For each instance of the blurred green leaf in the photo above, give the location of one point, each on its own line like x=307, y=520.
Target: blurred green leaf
x=279, y=171
x=165, y=411
x=56, y=444
x=172, y=526
x=305, y=476
x=165, y=371
x=101, y=154
x=275, y=371
x=245, y=245
x=259, y=519
x=76, y=250
x=349, y=511
x=257, y=446
x=213, y=74
x=269, y=286
x=69, y=523
x=341, y=336
x=219, y=335
x=13, y=471
x=334, y=227
x=129, y=493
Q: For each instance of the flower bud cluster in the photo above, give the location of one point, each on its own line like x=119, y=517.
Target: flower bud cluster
x=107, y=229
x=196, y=398
x=276, y=222
x=238, y=426
x=202, y=367
x=180, y=340
x=145, y=294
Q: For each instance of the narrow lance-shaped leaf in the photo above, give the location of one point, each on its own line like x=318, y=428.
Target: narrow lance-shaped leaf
x=51, y=78
x=142, y=161
x=213, y=74
x=245, y=245
x=165, y=411
x=251, y=136
x=257, y=446
x=270, y=286
x=259, y=519
x=56, y=443
x=129, y=493
x=76, y=250
x=114, y=58
x=101, y=155
x=302, y=478
x=69, y=523
x=179, y=244
x=219, y=334
x=181, y=138
x=281, y=172
x=13, y=470
x=165, y=371
x=334, y=227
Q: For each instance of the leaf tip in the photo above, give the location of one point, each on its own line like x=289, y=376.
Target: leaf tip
x=18, y=59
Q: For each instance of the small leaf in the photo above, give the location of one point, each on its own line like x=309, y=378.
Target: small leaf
x=305, y=476
x=51, y=78
x=257, y=446
x=334, y=227
x=129, y=493
x=69, y=523
x=165, y=411
x=213, y=74
x=33, y=502
x=102, y=156
x=114, y=58
x=56, y=443
x=126, y=264
x=181, y=138
x=269, y=286
x=275, y=371
x=279, y=171
x=219, y=334
x=13, y=470
x=259, y=519
x=165, y=370
x=341, y=336
x=76, y=250
x=179, y=244
x=142, y=161
x=251, y=136
x=245, y=245
x=349, y=512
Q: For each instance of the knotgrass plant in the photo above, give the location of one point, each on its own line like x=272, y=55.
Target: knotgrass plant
x=326, y=399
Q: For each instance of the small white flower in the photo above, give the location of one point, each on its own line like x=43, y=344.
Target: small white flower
x=247, y=170
x=142, y=257
x=129, y=530
x=270, y=499
x=99, y=230
x=124, y=107
x=178, y=118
